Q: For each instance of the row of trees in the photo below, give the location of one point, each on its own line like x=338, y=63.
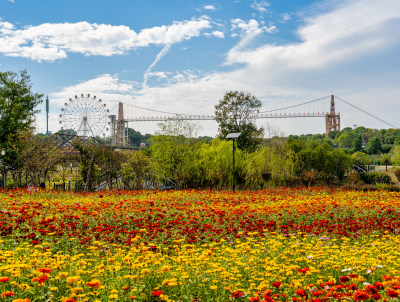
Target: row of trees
x=175, y=156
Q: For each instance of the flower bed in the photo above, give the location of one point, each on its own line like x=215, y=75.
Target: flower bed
x=278, y=245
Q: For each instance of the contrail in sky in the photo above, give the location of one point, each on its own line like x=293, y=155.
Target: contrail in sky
x=162, y=53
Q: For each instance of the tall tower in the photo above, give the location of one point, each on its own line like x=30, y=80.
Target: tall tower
x=332, y=120
x=119, y=130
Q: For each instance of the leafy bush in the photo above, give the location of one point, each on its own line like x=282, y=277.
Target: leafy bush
x=386, y=187
x=375, y=177
x=397, y=173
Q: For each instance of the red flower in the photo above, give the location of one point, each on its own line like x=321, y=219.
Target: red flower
x=268, y=299
x=7, y=294
x=392, y=293
x=156, y=293
x=353, y=276
x=255, y=299
x=344, y=279
x=376, y=296
x=40, y=279
x=303, y=270
x=360, y=295
x=379, y=285
x=237, y=294
x=352, y=286
x=70, y=300
x=371, y=289
x=276, y=284
x=301, y=292
x=4, y=279
x=45, y=270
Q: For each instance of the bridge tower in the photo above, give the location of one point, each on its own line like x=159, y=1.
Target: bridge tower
x=118, y=127
x=332, y=120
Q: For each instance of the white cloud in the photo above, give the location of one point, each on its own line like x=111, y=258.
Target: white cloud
x=260, y=6
x=286, y=17
x=351, y=30
x=218, y=34
x=162, y=53
x=50, y=42
x=210, y=7
x=250, y=28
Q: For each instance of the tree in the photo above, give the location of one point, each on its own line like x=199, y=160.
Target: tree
x=346, y=139
x=172, y=148
x=236, y=113
x=395, y=159
x=17, y=105
x=272, y=163
x=137, y=171
x=373, y=146
x=386, y=160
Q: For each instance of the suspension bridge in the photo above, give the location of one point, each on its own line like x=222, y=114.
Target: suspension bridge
x=322, y=108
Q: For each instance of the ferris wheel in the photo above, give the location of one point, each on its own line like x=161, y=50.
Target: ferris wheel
x=86, y=115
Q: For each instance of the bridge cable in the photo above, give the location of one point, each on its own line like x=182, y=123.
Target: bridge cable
x=159, y=111
x=296, y=105
x=379, y=119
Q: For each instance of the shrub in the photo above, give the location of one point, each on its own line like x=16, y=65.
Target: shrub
x=397, y=173
x=375, y=177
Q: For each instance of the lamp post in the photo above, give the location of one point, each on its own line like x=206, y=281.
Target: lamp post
x=233, y=136
x=3, y=153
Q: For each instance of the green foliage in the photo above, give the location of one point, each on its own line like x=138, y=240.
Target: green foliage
x=235, y=113
x=17, y=111
x=396, y=156
x=272, y=163
x=17, y=104
x=137, y=170
x=135, y=138
x=374, y=146
x=360, y=159
x=173, y=151
x=327, y=164
x=215, y=164
x=397, y=173
x=375, y=178
x=385, y=160
x=345, y=140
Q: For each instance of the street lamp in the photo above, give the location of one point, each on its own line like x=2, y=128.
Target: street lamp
x=233, y=136
x=3, y=153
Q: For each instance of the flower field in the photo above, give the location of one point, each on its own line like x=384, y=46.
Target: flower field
x=315, y=244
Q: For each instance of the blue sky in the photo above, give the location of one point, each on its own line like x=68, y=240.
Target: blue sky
x=182, y=56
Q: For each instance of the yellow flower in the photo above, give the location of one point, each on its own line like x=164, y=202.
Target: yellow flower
x=62, y=275
x=213, y=287
x=72, y=280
